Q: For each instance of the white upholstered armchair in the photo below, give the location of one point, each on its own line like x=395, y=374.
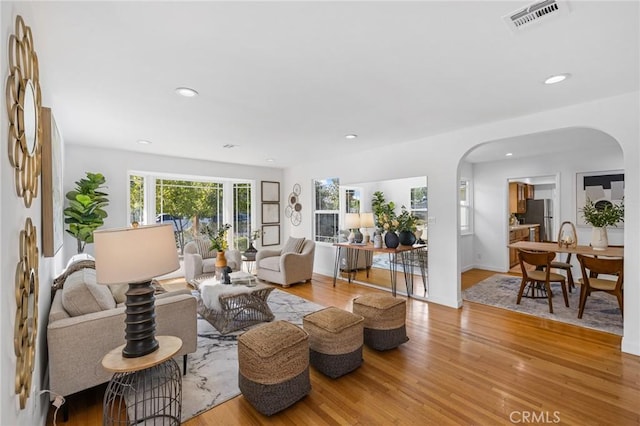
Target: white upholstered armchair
x=292, y=264
x=199, y=260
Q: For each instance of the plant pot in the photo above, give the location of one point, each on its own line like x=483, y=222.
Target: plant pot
x=599, y=238
x=407, y=238
x=221, y=260
x=391, y=240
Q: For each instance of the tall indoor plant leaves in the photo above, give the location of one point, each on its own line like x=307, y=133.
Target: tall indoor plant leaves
x=85, y=212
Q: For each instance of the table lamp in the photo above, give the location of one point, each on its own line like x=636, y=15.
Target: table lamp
x=136, y=256
x=366, y=221
x=352, y=222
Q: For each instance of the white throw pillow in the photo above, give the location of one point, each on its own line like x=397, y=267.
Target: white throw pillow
x=82, y=295
x=293, y=245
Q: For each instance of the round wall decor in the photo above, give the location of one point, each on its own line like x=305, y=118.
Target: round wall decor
x=24, y=100
x=26, y=322
x=292, y=211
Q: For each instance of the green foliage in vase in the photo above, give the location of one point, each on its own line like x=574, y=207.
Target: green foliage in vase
x=600, y=217
x=384, y=212
x=219, y=238
x=85, y=212
x=407, y=221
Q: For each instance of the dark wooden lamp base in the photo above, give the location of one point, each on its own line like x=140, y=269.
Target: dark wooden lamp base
x=140, y=320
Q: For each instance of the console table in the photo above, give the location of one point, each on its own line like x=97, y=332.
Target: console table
x=405, y=255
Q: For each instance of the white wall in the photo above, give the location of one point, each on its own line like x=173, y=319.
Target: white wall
x=13, y=214
x=438, y=158
x=115, y=166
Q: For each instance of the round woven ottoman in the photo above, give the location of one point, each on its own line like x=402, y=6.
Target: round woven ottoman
x=384, y=320
x=335, y=340
x=274, y=366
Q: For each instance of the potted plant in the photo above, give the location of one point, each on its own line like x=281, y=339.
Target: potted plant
x=600, y=216
x=386, y=219
x=220, y=244
x=85, y=212
x=407, y=225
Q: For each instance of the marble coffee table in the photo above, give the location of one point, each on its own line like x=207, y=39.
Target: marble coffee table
x=230, y=307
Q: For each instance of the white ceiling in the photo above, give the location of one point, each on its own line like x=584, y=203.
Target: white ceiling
x=286, y=80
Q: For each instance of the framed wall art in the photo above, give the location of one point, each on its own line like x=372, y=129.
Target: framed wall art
x=601, y=188
x=270, y=192
x=270, y=235
x=52, y=196
x=270, y=213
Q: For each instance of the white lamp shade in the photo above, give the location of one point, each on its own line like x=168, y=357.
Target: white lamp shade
x=131, y=255
x=366, y=220
x=352, y=220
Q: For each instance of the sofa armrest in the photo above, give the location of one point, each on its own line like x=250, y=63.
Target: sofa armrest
x=192, y=266
x=77, y=344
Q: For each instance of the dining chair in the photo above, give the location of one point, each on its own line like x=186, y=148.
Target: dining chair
x=542, y=274
x=591, y=268
x=565, y=266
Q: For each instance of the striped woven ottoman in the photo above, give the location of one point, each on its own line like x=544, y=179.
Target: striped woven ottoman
x=335, y=340
x=384, y=320
x=274, y=366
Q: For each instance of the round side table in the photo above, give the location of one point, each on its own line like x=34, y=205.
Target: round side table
x=144, y=389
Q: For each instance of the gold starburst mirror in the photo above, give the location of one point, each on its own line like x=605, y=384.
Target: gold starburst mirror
x=24, y=99
x=26, y=323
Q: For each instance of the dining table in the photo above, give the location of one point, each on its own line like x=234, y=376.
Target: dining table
x=563, y=248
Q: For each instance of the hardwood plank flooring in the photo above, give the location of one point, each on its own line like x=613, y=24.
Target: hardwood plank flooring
x=477, y=365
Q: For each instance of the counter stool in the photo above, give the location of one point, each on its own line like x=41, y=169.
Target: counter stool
x=274, y=366
x=335, y=340
x=384, y=320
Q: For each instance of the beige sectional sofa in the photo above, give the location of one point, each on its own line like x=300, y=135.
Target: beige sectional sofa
x=78, y=339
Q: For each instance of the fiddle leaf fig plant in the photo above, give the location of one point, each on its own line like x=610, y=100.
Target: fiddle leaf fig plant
x=85, y=212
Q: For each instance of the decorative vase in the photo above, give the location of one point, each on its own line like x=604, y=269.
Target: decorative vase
x=377, y=240
x=599, y=238
x=407, y=238
x=221, y=261
x=391, y=240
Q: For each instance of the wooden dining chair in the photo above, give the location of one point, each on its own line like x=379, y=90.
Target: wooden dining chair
x=591, y=268
x=565, y=266
x=541, y=275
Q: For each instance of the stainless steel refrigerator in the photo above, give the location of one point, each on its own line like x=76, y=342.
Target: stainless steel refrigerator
x=541, y=211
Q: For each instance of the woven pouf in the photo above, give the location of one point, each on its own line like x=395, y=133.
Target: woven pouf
x=384, y=320
x=274, y=366
x=335, y=340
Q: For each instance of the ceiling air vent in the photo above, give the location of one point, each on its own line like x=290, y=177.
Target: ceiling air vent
x=536, y=13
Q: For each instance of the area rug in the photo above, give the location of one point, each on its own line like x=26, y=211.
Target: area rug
x=382, y=261
x=212, y=371
x=601, y=311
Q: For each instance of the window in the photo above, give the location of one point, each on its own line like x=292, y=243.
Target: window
x=326, y=210
x=241, y=215
x=419, y=203
x=352, y=198
x=192, y=205
x=465, y=206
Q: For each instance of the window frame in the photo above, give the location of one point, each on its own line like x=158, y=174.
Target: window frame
x=465, y=204
x=333, y=212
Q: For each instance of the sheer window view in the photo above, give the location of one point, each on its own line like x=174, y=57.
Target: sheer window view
x=465, y=207
x=192, y=207
x=326, y=210
x=419, y=203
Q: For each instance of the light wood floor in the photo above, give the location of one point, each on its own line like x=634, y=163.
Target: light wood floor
x=477, y=365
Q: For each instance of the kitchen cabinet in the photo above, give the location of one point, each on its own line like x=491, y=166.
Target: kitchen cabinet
x=529, y=192
x=519, y=193
x=521, y=233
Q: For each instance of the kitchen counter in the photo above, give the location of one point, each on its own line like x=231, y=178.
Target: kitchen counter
x=523, y=226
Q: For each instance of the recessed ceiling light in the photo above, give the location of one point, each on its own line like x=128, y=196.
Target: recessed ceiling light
x=270, y=160
x=557, y=78
x=350, y=136
x=187, y=92
x=144, y=142
x=508, y=154
x=229, y=145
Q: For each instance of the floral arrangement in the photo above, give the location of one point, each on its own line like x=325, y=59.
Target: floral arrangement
x=407, y=221
x=219, y=238
x=384, y=212
x=600, y=217
x=255, y=235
